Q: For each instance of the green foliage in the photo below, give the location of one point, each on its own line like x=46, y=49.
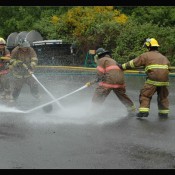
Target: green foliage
x=120, y=29
x=17, y=18
x=90, y=27
x=26, y=18
x=161, y=15
x=130, y=41
x=128, y=10
x=46, y=26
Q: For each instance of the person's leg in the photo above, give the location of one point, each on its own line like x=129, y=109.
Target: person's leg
x=124, y=98
x=162, y=101
x=99, y=97
x=100, y=94
x=145, y=97
x=17, y=86
x=1, y=86
x=6, y=84
x=33, y=86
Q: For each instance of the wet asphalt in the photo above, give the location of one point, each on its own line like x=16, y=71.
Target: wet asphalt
x=78, y=137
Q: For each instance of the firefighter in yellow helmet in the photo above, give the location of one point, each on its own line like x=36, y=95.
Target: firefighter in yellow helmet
x=110, y=78
x=23, y=63
x=157, y=70
x=4, y=70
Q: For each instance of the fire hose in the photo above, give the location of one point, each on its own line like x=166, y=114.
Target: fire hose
x=53, y=98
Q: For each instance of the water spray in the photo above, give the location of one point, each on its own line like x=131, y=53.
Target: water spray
x=46, y=104
x=47, y=108
x=53, y=98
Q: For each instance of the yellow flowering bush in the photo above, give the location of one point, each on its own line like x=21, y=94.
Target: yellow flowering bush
x=54, y=19
x=79, y=19
x=88, y=25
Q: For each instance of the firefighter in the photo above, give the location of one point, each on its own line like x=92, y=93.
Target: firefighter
x=23, y=63
x=110, y=78
x=157, y=70
x=4, y=70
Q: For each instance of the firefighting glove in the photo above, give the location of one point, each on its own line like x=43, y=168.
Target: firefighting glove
x=88, y=84
x=120, y=66
x=91, y=83
x=32, y=65
x=27, y=68
x=97, y=79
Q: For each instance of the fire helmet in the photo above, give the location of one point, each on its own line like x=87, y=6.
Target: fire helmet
x=2, y=41
x=23, y=43
x=101, y=51
x=151, y=42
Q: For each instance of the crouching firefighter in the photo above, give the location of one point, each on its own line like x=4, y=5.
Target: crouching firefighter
x=110, y=78
x=157, y=70
x=24, y=60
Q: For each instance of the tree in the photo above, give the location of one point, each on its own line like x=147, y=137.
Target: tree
x=17, y=18
x=90, y=27
x=160, y=15
x=130, y=41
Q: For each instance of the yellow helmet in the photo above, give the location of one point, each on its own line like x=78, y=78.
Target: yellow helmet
x=151, y=42
x=2, y=41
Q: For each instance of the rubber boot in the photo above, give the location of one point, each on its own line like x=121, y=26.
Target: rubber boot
x=132, y=111
x=142, y=114
x=162, y=116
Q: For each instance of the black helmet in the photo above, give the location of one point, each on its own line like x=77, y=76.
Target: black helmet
x=101, y=51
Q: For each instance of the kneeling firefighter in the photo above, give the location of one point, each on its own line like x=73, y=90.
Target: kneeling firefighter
x=110, y=78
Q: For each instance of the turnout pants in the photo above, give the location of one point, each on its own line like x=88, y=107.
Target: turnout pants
x=18, y=83
x=146, y=94
x=101, y=93
x=4, y=79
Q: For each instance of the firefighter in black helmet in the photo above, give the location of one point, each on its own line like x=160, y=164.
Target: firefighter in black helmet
x=110, y=78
